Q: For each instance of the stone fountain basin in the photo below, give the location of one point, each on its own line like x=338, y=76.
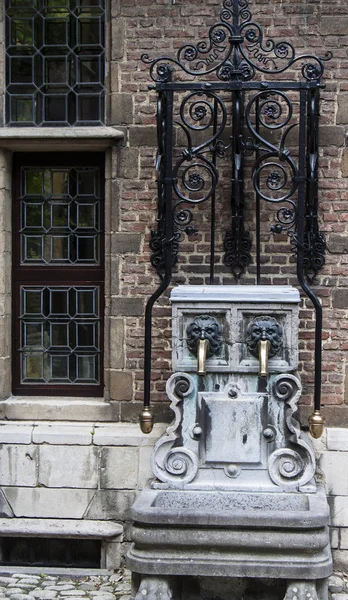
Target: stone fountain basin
x=227, y=508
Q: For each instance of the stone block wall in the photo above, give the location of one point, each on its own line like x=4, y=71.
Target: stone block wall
x=332, y=455
x=63, y=474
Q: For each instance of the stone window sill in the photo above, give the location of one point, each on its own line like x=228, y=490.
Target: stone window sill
x=53, y=408
x=46, y=139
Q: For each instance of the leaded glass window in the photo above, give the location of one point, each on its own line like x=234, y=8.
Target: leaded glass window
x=55, y=59
x=58, y=274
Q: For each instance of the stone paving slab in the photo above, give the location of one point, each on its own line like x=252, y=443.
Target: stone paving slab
x=65, y=584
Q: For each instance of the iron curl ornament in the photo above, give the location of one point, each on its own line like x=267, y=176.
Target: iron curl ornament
x=235, y=49
x=224, y=115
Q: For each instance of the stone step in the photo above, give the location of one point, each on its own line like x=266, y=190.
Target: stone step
x=69, y=528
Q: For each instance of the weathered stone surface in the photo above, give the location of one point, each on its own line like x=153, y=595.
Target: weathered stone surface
x=335, y=466
x=44, y=594
x=18, y=465
x=336, y=583
x=119, y=468
x=337, y=439
x=342, y=112
x=114, y=75
x=121, y=385
x=62, y=433
x=14, y=433
x=68, y=466
x=334, y=537
x=335, y=25
x=121, y=109
x=113, y=558
x=107, y=504
x=339, y=511
x=117, y=351
x=127, y=307
x=145, y=471
x=126, y=243
x=88, y=409
x=117, y=32
x=340, y=558
x=344, y=539
x=128, y=167
x=71, y=593
x=46, y=503
x=331, y=135
x=142, y=135
x=340, y=298
x=337, y=242
x=115, y=279
x=59, y=528
x=130, y=411
x=126, y=434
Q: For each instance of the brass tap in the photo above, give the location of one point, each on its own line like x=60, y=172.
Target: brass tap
x=146, y=420
x=202, y=349
x=316, y=424
x=264, y=348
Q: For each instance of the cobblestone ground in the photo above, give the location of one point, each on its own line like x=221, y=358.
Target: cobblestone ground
x=42, y=586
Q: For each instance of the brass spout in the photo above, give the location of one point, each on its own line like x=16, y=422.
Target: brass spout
x=202, y=349
x=146, y=420
x=316, y=424
x=263, y=347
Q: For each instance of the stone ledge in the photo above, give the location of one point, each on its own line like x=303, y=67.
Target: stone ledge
x=85, y=433
x=59, y=528
x=43, y=139
x=55, y=408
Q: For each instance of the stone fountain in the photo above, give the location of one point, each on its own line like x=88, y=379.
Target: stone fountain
x=233, y=511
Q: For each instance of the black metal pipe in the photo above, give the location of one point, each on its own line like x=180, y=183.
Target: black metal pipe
x=258, y=207
x=213, y=206
x=301, y=218
x=167, y=245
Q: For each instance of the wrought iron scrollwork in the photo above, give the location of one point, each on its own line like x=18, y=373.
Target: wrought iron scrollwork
x=235, y=49
x=266, y=129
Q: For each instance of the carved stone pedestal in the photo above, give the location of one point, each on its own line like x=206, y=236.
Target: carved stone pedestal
x=234, y=510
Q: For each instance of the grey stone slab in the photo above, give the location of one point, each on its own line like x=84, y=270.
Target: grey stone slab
x=50, y=409
x=11, y=433
x=119, y=468
x=48, y=503
x=68, y=466
x=234, y=293
x=68, y=528
x=125, y=434
x=18, y=464
x=110, y=504
x=337, y=439
x=63, y=433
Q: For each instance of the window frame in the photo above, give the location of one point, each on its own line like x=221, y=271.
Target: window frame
x=72, y=92
x=76, y=275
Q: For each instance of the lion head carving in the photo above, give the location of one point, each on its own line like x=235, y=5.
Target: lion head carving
x=204, y=327
x=264, y=328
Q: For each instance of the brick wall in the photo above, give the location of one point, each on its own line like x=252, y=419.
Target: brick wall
x=144, y=26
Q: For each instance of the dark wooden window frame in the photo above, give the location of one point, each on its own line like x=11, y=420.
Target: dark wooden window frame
x=76, y=275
